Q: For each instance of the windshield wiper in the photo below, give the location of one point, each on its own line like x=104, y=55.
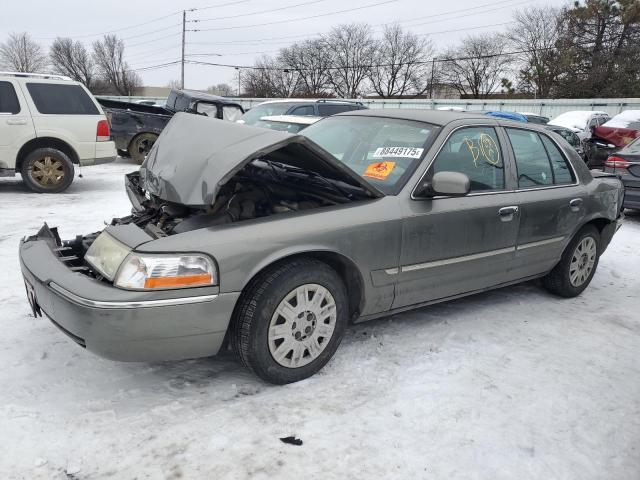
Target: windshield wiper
x=311, y=173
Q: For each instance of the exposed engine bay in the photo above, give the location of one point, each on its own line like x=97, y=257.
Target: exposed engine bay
x=259, y=190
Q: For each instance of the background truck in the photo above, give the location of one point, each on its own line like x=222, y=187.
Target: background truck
x=135, y=127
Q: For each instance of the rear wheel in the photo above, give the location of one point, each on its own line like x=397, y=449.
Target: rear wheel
x=290, y=321
x=141, y=145
x=577, y=266
x=47, y=170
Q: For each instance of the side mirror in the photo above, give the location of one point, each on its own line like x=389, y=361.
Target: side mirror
x=450, y=184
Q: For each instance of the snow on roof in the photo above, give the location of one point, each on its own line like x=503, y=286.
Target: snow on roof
x=297, y=119
x=626, y=119
x=575, y=118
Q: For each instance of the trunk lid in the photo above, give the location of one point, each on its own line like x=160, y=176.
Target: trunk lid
x=196, y=155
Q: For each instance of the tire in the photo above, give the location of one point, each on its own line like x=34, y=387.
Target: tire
x=123, y=153
x=47, y=170
x=140, y=146
x=302, y=342
x=572, y=275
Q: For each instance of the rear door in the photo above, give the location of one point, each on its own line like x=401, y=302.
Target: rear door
x=64, y=109
x=16, y=126
x=551, y=201
x=452, y=246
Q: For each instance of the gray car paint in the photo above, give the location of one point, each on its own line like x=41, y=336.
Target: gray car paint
x=402, y=252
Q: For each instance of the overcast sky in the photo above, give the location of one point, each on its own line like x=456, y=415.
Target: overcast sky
x=239, y=38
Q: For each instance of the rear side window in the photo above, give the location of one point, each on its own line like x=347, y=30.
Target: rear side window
x=561, y=171
x=58, y=99
x=328, y=110
x=231, y=113
x=474, y=151
x=538, y=160
x=305, y=110
x=8, y=99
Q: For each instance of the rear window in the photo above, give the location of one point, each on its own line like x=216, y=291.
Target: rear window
x=8, y=99
x=58, y=99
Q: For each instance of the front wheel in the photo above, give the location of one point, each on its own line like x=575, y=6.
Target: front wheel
x=290, y=321
x=577, y=265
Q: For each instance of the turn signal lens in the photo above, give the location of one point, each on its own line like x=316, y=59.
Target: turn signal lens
x=103, y=132
x=151, y=272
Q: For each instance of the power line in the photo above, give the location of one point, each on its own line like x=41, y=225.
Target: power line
x=370, y=5
x=155, y=67
x=154, y=40
x=257, y=13
x=217, y=5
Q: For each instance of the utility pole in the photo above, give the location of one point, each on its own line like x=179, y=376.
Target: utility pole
x=433, y=71
x=239, y=82
x=184, y=25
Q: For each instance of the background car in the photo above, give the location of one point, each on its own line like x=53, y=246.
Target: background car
x=580, y=122
x=535, y=118
x=516, y=117
x=312, y=108
x=626, y=163
x=570, y=137
x=49, y=123
x=613, y=135
x=286, y=123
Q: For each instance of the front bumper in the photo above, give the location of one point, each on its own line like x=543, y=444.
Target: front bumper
x=124, y=325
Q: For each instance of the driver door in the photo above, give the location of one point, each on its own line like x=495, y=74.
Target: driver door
x=456, y=245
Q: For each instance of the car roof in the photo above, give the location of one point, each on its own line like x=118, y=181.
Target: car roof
x=298, y=119
x=435, y=117
x=197, y=95
x=311, y=100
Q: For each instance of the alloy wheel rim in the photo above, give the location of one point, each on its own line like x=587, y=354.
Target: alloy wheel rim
x=582, y=261
x=47, y=171
x=302, y=325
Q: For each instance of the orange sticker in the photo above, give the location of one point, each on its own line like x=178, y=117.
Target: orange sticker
x=379, y=170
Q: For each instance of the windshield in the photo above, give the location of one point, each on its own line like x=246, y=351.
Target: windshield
x=383, y=151
x=265, y=110
x=280, y=126
x=570, y=137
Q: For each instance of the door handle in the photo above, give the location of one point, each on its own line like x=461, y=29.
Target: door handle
x=506, y=211
x=16, y=121
x=575, y=204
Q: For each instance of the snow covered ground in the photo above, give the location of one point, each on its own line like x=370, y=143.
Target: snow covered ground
x=509, y=384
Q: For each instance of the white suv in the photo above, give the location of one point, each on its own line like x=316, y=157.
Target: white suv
x=48, y=123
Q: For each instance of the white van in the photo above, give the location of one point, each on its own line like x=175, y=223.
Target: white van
x=48, y=123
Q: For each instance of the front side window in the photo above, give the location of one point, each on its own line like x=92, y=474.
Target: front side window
x=61, y=99
x=538, y=160
x=8, y=99
x=383, y=151
x=474, y=151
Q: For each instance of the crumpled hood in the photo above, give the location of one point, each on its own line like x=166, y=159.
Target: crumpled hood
x=195, y=155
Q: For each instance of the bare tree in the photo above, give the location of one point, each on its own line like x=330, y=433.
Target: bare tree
x=72, y=59
x=401, y=63
x=175, y=84
x=535, y=33
x=351, y=49
x=477, y=66
x=312, y=61
x=108, y=54
x=21, y=54
x=222, y=89
x=270, y=77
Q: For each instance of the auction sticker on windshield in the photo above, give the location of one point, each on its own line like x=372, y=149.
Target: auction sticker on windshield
x=379, y=170
x=398, y=152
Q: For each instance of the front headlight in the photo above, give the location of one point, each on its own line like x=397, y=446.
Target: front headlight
x=163, y=271
x=106, y=254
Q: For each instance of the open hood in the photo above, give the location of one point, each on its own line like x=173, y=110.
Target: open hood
x=196, y=155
